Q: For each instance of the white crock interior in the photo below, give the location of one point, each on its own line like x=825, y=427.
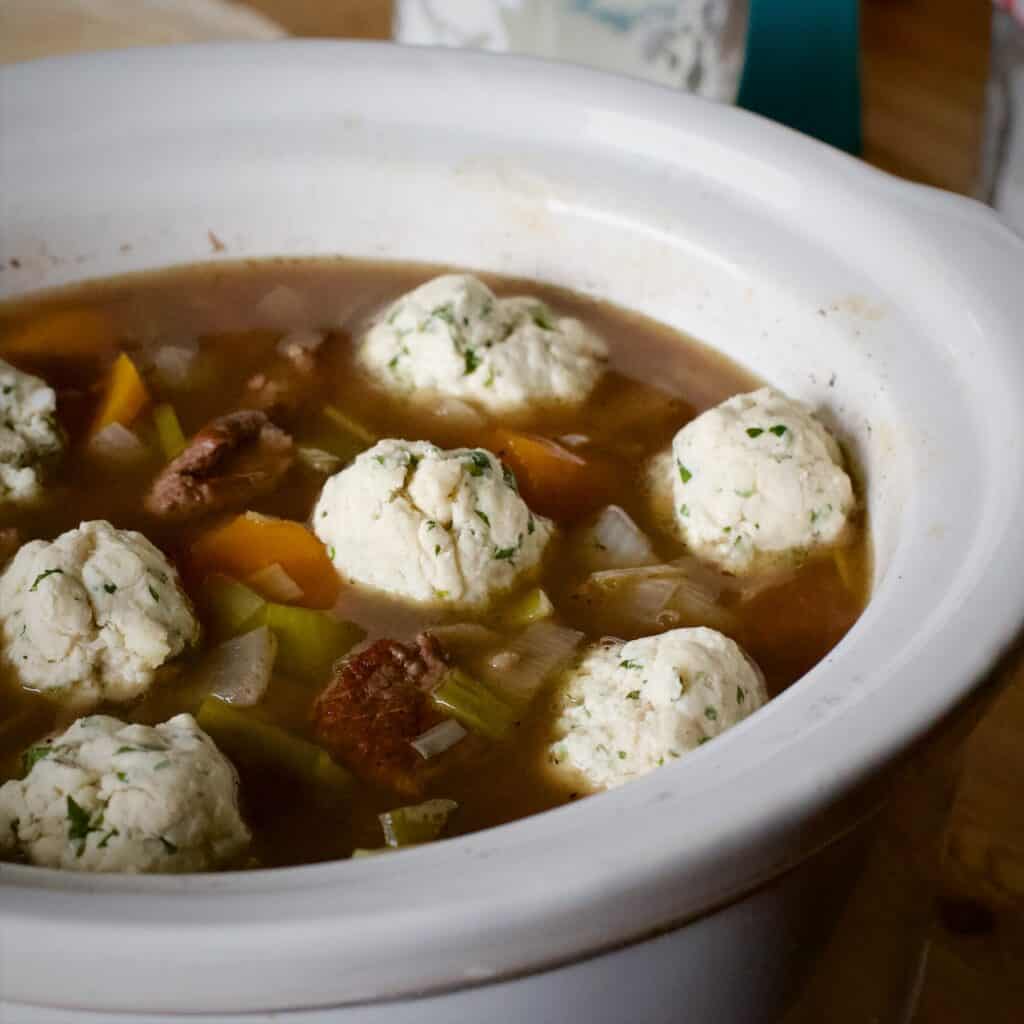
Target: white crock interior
x=893, y=308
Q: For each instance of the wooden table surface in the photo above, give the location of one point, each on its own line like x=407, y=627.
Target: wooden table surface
x=924, y=70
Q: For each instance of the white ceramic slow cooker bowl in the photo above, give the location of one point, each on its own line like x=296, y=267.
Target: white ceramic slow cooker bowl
x=896, y=308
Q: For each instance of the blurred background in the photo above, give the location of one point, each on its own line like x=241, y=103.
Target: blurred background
x=931, y=90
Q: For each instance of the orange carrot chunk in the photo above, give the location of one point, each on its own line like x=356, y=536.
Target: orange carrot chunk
x=250, y=542
x=553, y=480
x=63, y=332
x=126, y=396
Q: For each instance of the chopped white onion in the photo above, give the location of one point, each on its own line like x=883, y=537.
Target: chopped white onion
x=503, y=661
x=238, y=671
x=574, y=440
x=319, y=461
x=753, y=585
x=438, y=739
x=116, y=443
x=282, y=307
x=649, y=598
x=173, y=364
x=456, y=412
x=306, y=341
x=614, y=541
x=274, y=583
x=540, y=650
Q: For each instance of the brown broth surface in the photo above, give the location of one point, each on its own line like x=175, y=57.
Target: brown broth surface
x=658, y=381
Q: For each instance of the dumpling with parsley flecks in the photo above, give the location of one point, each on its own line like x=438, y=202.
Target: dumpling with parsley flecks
x=453, y=336
x=434, y=526
x=755, y=481
x=92, y=615
x=30, y=438
x=625, y=709
x=106, y=796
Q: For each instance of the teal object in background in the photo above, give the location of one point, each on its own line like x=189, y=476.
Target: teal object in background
x=803, y=67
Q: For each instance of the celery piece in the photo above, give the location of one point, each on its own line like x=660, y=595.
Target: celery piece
x=474, y=705
x=308, y=641
x=168, y=429
x=233, y=607
x=328, y=772
x=361, y=852
x=845, y=569
x=417, y=823
x=349, y=425
x=342, y=436
x=241, y=734
x=531, y=607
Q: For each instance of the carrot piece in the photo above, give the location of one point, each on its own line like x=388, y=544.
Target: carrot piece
x=65, y=332
x=126, y=396
x=553, y=480
x=251, y=542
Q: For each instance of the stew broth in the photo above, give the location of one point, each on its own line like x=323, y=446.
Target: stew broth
x=658, y=381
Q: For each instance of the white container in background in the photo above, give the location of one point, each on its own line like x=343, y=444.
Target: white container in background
x=696, y=45
x=1002, y=166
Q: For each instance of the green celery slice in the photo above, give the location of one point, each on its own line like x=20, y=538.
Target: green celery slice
x=233, y=607
x=417, y=823
x=241, y=734
x=342, y=436
x=308, y=641
x=531, y=607
x=474, y=705
x=349, y=425
x=168, y=429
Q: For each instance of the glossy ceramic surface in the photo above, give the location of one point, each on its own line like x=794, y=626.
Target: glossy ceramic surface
x=895, y=308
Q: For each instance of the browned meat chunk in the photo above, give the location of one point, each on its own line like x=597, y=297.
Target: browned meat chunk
x=287, y=385
x=10, y=541
x=232, y=460
x=377, y=703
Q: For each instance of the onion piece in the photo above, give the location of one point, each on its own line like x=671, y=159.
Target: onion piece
x=117, y=444
x=304, y=341
x=438, y=739
x=540, y=650
x=319, y=461
x=274, y=583
x=456, y=413
x=651, y=598
x=174, y=364
x=238, y=671
x=418, y=823
x=283, y=308
x=574, y=440
x=753, y=585
x=614, y=541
